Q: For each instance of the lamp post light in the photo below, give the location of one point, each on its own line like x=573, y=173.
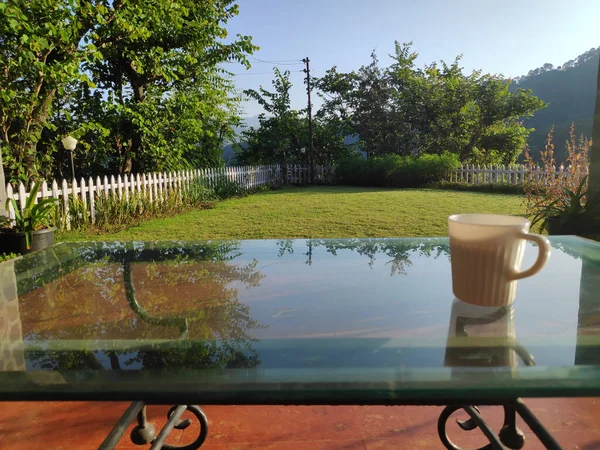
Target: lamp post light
x=69, y=143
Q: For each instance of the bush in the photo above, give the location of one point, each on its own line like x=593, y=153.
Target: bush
x=112, y=212
x=491, y=188
x=7, y=256
x=395, y=170
x=225, y=188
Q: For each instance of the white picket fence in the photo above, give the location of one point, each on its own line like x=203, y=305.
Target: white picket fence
x=157, y=185
x=298, y=174
x=515, y=174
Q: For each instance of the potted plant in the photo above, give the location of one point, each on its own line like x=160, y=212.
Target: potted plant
x=32, y=228
x=573, y=212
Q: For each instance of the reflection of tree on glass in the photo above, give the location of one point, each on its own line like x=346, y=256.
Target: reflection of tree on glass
x=176, y=293
x=398, y=251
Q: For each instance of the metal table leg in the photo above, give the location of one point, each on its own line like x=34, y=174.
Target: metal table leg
x=144, y=432
x=509, y=437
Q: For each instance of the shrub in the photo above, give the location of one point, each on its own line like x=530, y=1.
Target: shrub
x=564, y=194
x=395, y=170
x=112, y=212
x=7, y=256
x=225, y=188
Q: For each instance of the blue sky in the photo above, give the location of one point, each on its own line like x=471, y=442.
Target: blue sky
x=503, y=36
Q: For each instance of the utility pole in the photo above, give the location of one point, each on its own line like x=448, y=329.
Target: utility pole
x=311, y=155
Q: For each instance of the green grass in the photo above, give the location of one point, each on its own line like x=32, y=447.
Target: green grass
x=320, y=212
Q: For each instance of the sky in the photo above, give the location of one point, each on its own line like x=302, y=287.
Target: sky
x=509, y=37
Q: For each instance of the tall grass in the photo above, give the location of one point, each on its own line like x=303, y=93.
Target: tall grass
x=113, y=212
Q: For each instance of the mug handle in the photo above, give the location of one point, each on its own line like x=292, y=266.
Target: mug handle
x=543, y=255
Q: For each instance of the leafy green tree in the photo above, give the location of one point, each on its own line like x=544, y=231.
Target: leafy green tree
x=109, y=72
x=282, y=136
x=153, y=50
x=405, y=110
x=42, y=45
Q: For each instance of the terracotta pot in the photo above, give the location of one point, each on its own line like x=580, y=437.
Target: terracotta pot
x=16, y=242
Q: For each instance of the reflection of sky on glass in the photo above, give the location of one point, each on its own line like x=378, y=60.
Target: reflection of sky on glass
x=343, y=297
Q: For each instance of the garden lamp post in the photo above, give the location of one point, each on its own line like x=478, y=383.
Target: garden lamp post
x=69, y=143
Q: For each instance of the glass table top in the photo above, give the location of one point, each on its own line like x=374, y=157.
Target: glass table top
x=291, y=321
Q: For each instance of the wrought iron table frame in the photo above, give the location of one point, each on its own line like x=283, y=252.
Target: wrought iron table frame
x=509, y=436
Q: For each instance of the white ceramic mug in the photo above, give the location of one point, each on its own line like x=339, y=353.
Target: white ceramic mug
x=486, y=252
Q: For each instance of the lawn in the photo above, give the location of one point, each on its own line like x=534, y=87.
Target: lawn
x=320, y=212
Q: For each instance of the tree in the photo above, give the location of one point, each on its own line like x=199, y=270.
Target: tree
x=106, y=70
x=42, y=44
x=282, y=135
x=404, y=110
x=152, y=50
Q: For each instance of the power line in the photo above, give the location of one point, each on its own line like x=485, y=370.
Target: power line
x=283, y=62
x=261, y=73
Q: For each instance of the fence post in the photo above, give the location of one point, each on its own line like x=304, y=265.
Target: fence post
x=82, y=191
x=98, y=187
x=132, y=185
x=119, y=186
x=522, y=174
x=113, y=186
x=138, y=184
x=74, y=191
x=22, y=196
x=65, y=196
x=10, y=194
x=54, y=189
x=44, y=193
x=125, y=187
x=92, y=204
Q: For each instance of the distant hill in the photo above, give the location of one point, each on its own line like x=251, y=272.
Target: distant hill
x=570, y=91
x=228, y=151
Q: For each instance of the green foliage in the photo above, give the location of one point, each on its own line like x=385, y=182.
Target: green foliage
x=113, y=212
x=405, y=110
x=491, y=188
x=225, y=188
x=44, y=42
x=7, y=256
x=395, y=170
x=573, y=209
x=35, y=216
x=561, y=197
x=140, y=84
x=282, y=136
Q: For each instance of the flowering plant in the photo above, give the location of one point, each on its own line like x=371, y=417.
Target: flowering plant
x=559, y=196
